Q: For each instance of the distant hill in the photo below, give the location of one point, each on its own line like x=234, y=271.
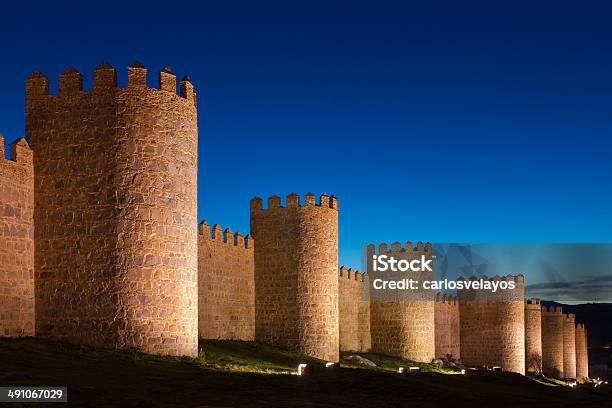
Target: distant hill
x=597, y=318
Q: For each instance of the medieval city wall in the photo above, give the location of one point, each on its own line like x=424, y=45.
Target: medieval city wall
x=582, y=353
x=296, y=274
x=447, y=327
x=569, y=346
x=116, y=196
x=493, y=326
x=354, y=311
x=404, y=327
x=226, y=282
x=552, y=341
x=533, y=336
x=16, y=240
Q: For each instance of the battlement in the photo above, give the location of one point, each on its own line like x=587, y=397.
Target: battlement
x=580, y=326
x=351, y=274
x=446, y=299
x=569, y=316
x=105, y=80
x=20, y=151
x=535, y=302
x=224, y=236
x=552, y=310
x=293, y=201
x=397, y=247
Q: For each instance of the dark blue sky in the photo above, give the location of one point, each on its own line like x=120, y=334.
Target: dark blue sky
x=441, y=121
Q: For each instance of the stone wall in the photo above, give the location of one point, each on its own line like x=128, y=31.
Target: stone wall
x=493, y=326
x=364, y=333
x=226, y=283
x=116, y=197
x=533, y=336
x=16, y=241
x=448, y=327
x=404, y=327
x=552, y=342
x=569, y=346
x=296, y=274
x=582, y=354
x=354, y=311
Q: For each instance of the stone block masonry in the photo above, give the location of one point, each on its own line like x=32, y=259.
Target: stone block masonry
x=404, y=328
x=116, y=195
x=354, y=311
x=296, y=274
x=533, y=336
x=569, y=346
x=16, y=241
x=582, y=353
x=552, y=341
x=447, y=327
x=226, y=284
x=493, y=326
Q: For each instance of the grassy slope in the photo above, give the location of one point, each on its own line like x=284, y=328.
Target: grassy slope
x=230, y=374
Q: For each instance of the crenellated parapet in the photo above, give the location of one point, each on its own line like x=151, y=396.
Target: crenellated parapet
x=70, y=82
x=293, y=201
x=20, y=153
x=397, y=248
x=225, y=236
x=552, y=311
x=444, y=298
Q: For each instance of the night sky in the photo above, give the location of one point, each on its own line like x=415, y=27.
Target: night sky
x=435, y=121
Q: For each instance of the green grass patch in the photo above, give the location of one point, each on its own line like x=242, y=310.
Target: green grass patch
x=392, y=364
x=253, y=357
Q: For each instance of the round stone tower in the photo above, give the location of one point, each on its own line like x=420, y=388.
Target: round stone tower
x=533, y=336
x=296, y=274
x=552, y=341
x=582, y=356
x=493, y=325
x=569, y=346
x=402, y=322
x=115, y=218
